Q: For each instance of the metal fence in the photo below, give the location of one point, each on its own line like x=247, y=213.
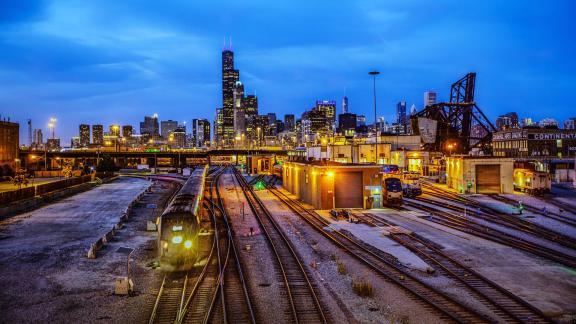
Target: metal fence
x=10, y=196
x=15, y=195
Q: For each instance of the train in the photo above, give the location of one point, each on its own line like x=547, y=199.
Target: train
x=392, y=189
x=179, y=224
x=531, y=181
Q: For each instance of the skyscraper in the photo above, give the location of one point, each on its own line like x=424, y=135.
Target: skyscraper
x=328, y=108
x=507, y=121
x=229, y=78
x=127, y=131
x=84, y=139
x=114, y=130
x=401, y=119
x=201, y=132
x=289, y=122
x=97, y=134
x=344, y=105
x=167, y=127
x=37, y=138
x=429, y=98
x=149, y=127
x=239, y=112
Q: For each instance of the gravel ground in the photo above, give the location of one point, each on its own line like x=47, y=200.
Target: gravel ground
x=44, y=272
x=389, y=302
x=514, y=232
x=263, y=279
x=544, y=284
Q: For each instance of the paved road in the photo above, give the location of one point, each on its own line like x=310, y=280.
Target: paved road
x=44, y=251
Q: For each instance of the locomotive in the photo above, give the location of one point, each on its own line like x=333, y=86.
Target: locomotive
x=530, y=178
x=179, y=225
x=392, y=191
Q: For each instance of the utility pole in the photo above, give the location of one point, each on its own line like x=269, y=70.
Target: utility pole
x=374, y=74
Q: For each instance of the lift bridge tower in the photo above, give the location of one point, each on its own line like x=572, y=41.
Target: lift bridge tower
x=456, y=126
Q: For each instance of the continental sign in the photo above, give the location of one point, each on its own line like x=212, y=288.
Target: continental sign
x=552, y=136
x=533, y=136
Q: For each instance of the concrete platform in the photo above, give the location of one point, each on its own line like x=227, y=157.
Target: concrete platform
x=377, y=238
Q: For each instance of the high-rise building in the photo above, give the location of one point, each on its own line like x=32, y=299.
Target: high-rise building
x=178, y=137
x=344, y=105
x=429, y=98
x=570, y=123
x=347, y=124
x=84, y=138
x=127, y=131
x=167, y=127
x=97, y=134
x=37, y=138
x=75, y=142
x=507, y=121
x=289, y=122
x=260, y=129
x=219, y=128
x=548, y=122
x=401, y=118
x=150, y=128
x=251, y=106
x=413, y=110
x=360, y=120
x=229, y=78
x=114, y=130
x=9, y=143
x=201, y=132
x=239, y=112
x=526, y=122
x=328, y=108
x=53, y=144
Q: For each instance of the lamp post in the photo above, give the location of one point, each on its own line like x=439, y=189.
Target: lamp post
x=374, y=74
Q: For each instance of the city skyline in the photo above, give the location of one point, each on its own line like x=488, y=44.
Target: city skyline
x=171, y=66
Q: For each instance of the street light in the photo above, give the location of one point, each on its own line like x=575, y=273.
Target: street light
x=374, y=74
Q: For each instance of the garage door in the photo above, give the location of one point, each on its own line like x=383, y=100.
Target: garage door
x=488, y=179
x=348, y=190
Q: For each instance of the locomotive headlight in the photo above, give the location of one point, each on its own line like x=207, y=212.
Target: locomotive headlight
x=177, y=239
x=188, y=244
x=165, y=245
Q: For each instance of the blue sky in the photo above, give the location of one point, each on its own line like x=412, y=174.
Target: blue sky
x=112, y=61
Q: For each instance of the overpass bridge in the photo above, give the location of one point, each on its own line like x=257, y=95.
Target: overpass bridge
x=46, y=160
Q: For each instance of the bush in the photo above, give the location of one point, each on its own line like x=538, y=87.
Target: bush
x=341, y=268
x=362, y=287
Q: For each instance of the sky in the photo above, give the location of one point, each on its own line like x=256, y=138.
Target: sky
x=111, y=61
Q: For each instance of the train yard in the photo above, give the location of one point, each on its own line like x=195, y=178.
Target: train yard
x=244, y=250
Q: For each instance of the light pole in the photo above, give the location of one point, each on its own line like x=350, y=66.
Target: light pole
x=374, y=74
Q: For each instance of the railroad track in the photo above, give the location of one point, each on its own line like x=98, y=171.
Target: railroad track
x=499, y=218
x=238, y=305
x=303, y=303
x=199, y=296
x=549, y=214
x=469, y=226
x=431, y=298
x=505, y=305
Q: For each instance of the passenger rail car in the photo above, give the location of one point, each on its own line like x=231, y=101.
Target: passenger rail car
x=179, y=224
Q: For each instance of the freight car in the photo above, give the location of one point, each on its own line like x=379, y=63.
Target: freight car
x=179, y=225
